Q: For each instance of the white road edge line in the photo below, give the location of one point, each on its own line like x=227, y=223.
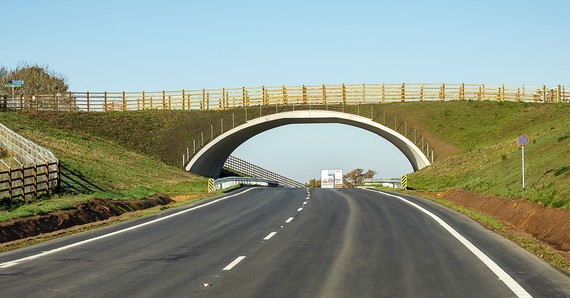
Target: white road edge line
x=289, y=220
x=299, y=210
x=504, y=276
x=49, y=252
x=270, y=235
x=234, y=263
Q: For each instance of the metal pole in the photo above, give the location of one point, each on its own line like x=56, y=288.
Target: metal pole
x=523, y=167
x=194, y=143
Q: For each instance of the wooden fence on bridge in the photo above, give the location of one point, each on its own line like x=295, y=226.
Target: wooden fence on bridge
x=225, y=98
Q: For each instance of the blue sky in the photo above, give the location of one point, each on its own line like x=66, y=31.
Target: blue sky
x=155, y=45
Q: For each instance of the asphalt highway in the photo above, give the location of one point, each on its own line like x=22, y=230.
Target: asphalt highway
x=276, y=242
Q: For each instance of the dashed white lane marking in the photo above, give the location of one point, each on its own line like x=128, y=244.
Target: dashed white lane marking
x=234, y=263
x=270, y=235
x=304, y=203
x=299, y=210
x=504, y=276
x=289, y=220
x=49, y=252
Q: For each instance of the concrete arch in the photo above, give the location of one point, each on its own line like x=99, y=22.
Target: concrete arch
x=210, y=159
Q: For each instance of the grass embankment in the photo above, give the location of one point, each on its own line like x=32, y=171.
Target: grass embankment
x=97, y=165
x=484, y=156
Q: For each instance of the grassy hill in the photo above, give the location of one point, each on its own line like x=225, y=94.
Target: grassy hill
x=485, y=157
x=97, y=164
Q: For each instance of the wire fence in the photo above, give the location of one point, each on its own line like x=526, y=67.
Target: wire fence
x=243, y=167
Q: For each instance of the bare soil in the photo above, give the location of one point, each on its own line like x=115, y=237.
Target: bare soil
x=85, y=213
x=550, y=226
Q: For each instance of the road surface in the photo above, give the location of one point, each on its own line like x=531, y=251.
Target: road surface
x=269, y=242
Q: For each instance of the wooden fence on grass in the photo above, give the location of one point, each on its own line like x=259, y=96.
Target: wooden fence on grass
x=224, y=98
x=27, y=170
x=27, y=182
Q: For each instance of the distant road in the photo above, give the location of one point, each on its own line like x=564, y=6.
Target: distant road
x=269, y=242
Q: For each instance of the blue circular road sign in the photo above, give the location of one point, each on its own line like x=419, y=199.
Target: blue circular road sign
x=522, y=140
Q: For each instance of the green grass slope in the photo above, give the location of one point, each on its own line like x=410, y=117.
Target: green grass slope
x=488, y=158
x=97, y=165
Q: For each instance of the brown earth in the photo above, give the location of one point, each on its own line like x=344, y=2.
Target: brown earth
x=548, y=225
x=92, y=211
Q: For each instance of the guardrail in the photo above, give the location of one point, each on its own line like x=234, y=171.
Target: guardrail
x=224, y=98
x=395, y=182
x=227, y=182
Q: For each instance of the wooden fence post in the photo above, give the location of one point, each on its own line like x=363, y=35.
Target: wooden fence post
x=343, y=94
x=324, y=95
x=48, y=177
x=105, y=101
x=403, y=92
x=35, y=180
x=285, y=99
x=22, y=184
x=88, y=108
x=10, y=187
x=124, y=101
x=305, y=100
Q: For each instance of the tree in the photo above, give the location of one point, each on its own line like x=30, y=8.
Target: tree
x=314, y=183
x=357, y=176
x=38, y=80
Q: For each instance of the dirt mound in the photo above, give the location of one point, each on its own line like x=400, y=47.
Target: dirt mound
x=92, y=211
x=549, y=225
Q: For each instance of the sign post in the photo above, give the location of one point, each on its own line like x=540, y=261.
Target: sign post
x=522, y=140
x=14, y=83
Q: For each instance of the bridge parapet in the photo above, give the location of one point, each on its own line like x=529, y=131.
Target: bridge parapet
x=227, y=98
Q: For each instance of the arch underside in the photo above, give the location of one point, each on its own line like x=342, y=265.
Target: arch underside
x=211, y=158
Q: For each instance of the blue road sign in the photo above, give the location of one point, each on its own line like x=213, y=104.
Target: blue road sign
x=16, y=82
x=522, y=140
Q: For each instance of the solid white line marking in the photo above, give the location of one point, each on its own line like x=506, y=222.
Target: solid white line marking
x=49, y=252
x=289, y=220
x=504, y=276
x=298, y=210
x=234, y=263
x=270, y=235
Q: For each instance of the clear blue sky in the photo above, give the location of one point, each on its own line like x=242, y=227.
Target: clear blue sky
x=155, y=45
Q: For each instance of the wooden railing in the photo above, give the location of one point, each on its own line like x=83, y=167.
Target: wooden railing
x=26, y=183
x=209, y=99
